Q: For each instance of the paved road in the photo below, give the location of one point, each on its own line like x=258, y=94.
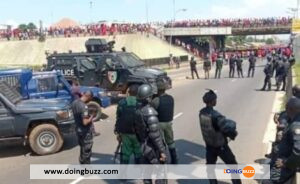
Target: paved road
x=238, y=99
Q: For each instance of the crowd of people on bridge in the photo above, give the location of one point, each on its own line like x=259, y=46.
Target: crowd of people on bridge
x=99, y=29
x=102, y=29
x=235, y=23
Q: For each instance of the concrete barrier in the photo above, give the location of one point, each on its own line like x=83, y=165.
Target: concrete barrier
x=31, y=52
x=163, y=60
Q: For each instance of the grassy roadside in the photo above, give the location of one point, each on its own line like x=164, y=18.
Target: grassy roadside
x=296, y=69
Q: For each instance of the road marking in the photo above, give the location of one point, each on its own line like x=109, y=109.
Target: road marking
x=77, y=180
x=233, y=80
x=178, y=115
x=270, y=133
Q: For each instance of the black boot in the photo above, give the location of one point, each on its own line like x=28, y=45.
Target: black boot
x=173, y=154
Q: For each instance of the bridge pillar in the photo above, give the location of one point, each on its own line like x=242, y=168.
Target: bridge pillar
x=218, y=42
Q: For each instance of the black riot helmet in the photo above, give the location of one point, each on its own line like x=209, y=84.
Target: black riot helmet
x=293, y=107
x=209, y=97
x=144, y=92
x=296, y=91
x=161, y=86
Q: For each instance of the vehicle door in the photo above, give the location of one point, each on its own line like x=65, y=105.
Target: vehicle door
x=64, y=88
x=110, y=73
x=6, y=122
x=87, y=71
x=67, y=66
x=45, y=87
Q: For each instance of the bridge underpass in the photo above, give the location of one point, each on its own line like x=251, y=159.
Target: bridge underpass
x=217, y=35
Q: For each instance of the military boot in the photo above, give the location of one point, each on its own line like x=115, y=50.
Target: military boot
x=173, y=155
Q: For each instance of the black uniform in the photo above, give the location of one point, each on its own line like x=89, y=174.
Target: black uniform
x=280, y=73
x=193, y=64
x=164, y=104
x=275, y=62
x=239, y=65
x=281, y=128
x=84, y=132
x=286, y=66
x=148, y=133
x=206, y=67
x=289, y=151
x=252, y=61
x=232, y=62
x=212, y=123
x=268, y=70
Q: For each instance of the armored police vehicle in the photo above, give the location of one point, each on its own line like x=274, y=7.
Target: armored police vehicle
x=39, y=122
x=101, y=66
x=51, y=85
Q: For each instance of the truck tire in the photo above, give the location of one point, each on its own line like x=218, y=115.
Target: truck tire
x=45, y=139
x=95, y=108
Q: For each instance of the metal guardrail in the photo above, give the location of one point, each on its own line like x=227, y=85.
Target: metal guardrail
x=163, y=60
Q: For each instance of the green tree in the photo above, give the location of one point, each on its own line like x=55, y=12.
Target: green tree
x=270, y=41
x=22, y=27
x=31, y=26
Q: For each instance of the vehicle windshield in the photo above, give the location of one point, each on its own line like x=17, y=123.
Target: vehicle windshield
x=88, y=64
x=130, y=60
x=12, y=95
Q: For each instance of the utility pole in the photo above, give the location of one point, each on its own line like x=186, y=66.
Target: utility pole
x=147, y=12
x=297, y=13
x=91, y=11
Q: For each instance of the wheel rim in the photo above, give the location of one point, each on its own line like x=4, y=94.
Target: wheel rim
x=46, y=139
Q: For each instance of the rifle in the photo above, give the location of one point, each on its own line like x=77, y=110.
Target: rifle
x=118, y=152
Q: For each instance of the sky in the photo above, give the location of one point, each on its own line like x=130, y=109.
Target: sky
x=85, y=11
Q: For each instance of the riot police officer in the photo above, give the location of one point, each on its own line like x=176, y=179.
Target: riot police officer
x=252, y=61
x=164, y=104
x=124, y=128
x=219, y=66
x=146, y=126
x=239, y=66
x=215, y=131
x=83, y=121
x=286, y=66
x=232, y=62
x=288, y=158
x=193, y=65
x=282, y=121
x=206, y=67
x=268, y=72
x=280, y=73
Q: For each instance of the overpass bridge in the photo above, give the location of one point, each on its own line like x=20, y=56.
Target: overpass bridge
x=213, y=31
x=217, y=34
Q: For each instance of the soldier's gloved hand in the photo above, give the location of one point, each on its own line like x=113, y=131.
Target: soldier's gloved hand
x=279, y=163
x=163, y=157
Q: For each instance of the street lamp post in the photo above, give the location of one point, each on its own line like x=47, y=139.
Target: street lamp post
x=297, y=13
x=172, y=24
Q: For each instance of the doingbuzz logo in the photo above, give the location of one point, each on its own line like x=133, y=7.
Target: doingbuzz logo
x=247, y=171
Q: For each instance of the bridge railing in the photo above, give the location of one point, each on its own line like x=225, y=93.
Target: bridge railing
x=263, y=27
